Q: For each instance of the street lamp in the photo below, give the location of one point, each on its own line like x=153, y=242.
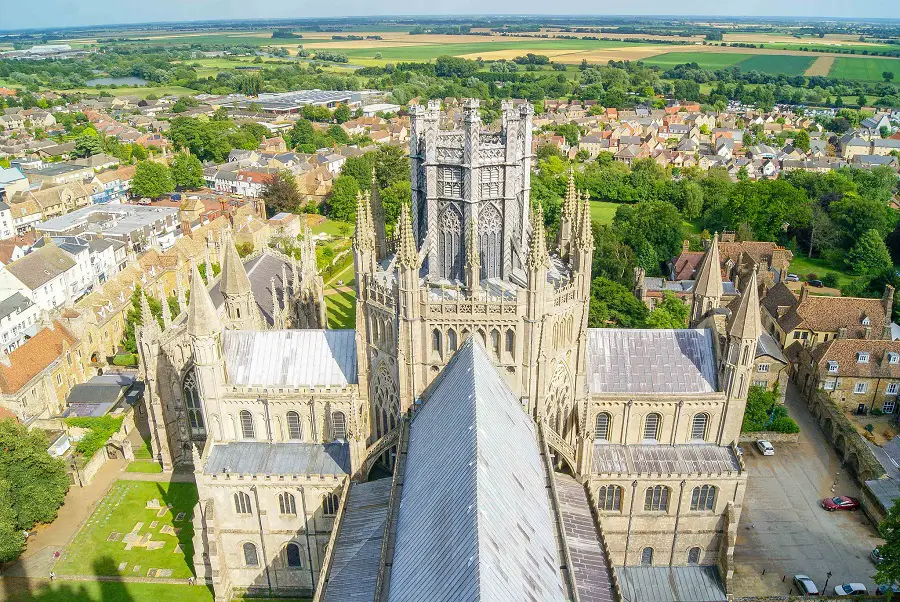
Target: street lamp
x=825, y=588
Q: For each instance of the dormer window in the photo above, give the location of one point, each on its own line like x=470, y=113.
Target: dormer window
x=893, y=358
x=866, y=321
x=862, y=357
x=833, y=367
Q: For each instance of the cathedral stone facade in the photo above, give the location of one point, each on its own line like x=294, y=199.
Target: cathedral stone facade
x=318, y=452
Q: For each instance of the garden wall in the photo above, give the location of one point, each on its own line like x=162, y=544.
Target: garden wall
x=769, y=436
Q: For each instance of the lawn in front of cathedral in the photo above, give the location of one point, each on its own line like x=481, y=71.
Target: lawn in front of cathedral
x=140, y=529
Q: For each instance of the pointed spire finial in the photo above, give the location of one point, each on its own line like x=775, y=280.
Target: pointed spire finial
x=709, y=276
x=234, y=276
x=538, y=257
x=407, y=254
x=745, y=322
x=570, y=206
x=203, y=319
x=585, y=232
x=147, y=319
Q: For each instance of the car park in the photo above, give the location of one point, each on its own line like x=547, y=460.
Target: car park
x=805, y=586
x=841, y=502
x=765, y=447
x=850, y=589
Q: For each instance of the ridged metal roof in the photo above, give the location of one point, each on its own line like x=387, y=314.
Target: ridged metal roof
x=259, y=457
x=651, y=361
x=660, y=459
x=290, y=358
x=671, y=584
x=475, y=521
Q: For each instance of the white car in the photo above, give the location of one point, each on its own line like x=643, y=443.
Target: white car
x=850, y=589
x=765, y=448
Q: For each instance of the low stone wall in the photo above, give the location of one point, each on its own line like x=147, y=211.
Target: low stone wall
x=770, y=436
x=89, y=471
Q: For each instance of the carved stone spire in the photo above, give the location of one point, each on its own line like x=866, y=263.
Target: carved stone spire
x=378, y=223
x=363, y=237
x=203, y=320
x=585, y=235
x=407, y=254
x=745, y=322
x=149, y=325
x=538, y=257
x=209, y=269
x=234, y=276
x=277, y=311
x=709, y=277
x=166, y=312
x=570, y=205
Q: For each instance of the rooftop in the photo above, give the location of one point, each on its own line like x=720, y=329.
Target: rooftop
x=111, y=219
x=653, y=458
x=258, y=457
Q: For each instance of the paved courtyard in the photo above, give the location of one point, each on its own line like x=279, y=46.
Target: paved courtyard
x=784, y=531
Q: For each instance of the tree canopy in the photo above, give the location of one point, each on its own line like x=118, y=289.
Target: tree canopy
x=152, y=180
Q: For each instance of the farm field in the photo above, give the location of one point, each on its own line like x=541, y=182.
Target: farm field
x=707, y=60
x=864, y=69
x=143, y=91
x=777, y=63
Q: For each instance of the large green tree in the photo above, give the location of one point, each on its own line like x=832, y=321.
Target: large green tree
x=281, y=193
x=671, y=312
x=187, y=171
x=888, y=570
x=614, y=306
x=152, y=180
x=341, y=202
x=653, y=229
x=869, y=256
x=33, y=484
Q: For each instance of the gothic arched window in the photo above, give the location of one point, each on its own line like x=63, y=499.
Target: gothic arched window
x=251, y=558
x=609, y=498
x=287, y=504
x=694, y=555
x=247, y=430
x=339, y=426
x=490, y=243
x=511, y=343
x=703, y=498
x=495, y=343
x=656, y=499
x=385, y=401
x=698, y=427
x=601, y=427
x=451, y=340
x=647, y=557
x=292, y=555
x=242, y=503
x=436, y=342
x=293, y=425
x=450, y=244
x=330, y=504
x=191, y=395
x=561, y=417
x=651, y=427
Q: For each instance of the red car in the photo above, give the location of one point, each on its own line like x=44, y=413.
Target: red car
x=842, y=502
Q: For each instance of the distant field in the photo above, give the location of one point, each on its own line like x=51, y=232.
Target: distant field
x=777, y=63
x=864, y=69
x=142, y=92
x=706, y=60
x=432, y=51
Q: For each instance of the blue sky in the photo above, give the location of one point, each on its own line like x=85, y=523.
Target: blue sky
x=56, y=13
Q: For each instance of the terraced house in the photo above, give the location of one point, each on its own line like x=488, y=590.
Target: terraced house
x=471, y=438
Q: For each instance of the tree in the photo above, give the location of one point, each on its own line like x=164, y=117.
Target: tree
x=801, y=140
x=888, y=570
x=392, y=198
x=280, y=193
x=614, y=306
x=653, y=229
x=869, y=256
x=341, y=203
x=302, y=133
x=342, y=114
x=33, y=484
x=187, y=171
x=887, y=75
x=151, y=180
x=87, y=146
x=693, y=200
x=671, y=312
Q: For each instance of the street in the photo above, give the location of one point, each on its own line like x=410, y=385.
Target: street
x=784, y=530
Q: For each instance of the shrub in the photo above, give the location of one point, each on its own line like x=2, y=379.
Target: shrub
x=812, y=276
x=125, y=359
x=100, y=429
x=830, y=280
x=764, y=413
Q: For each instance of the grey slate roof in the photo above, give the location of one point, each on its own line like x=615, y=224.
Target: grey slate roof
x=41, y=266
x=15, y=302
x=653, y=458
x=290, y=358
x=671, y=584
x=475, y=522
x=259, y=457
x=260, y=271
x=357, y=551
x=651, y=361
x=766, y=345
x=589, y=566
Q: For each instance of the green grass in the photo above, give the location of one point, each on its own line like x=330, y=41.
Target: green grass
x=117, y=591
x=777, y=63
x=802, y=265
x=341, y=310
x=144, y=466
x=142, y=452
x=603, y=212
x=112, y=591
x=333, y=228
x=90, y=552
x=142, y=91
x=864, y=69
x=706, y=60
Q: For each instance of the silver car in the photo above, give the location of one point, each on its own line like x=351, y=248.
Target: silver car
x=851, y=589
x=805, y=586
x=765, y=448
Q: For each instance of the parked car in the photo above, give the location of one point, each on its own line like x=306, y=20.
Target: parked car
x=765, y=448
x=805, y=586
x=816, y=283
x=793, y=278
x=876, y=556
x=883, y=589
x=841, y=502
x=850, y=589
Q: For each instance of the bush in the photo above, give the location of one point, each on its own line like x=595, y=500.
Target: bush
x=100, y=429
x=830, y=280
x=125, y=359
x=812, y=276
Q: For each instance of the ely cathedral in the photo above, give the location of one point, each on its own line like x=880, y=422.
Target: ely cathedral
x=471, y=439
